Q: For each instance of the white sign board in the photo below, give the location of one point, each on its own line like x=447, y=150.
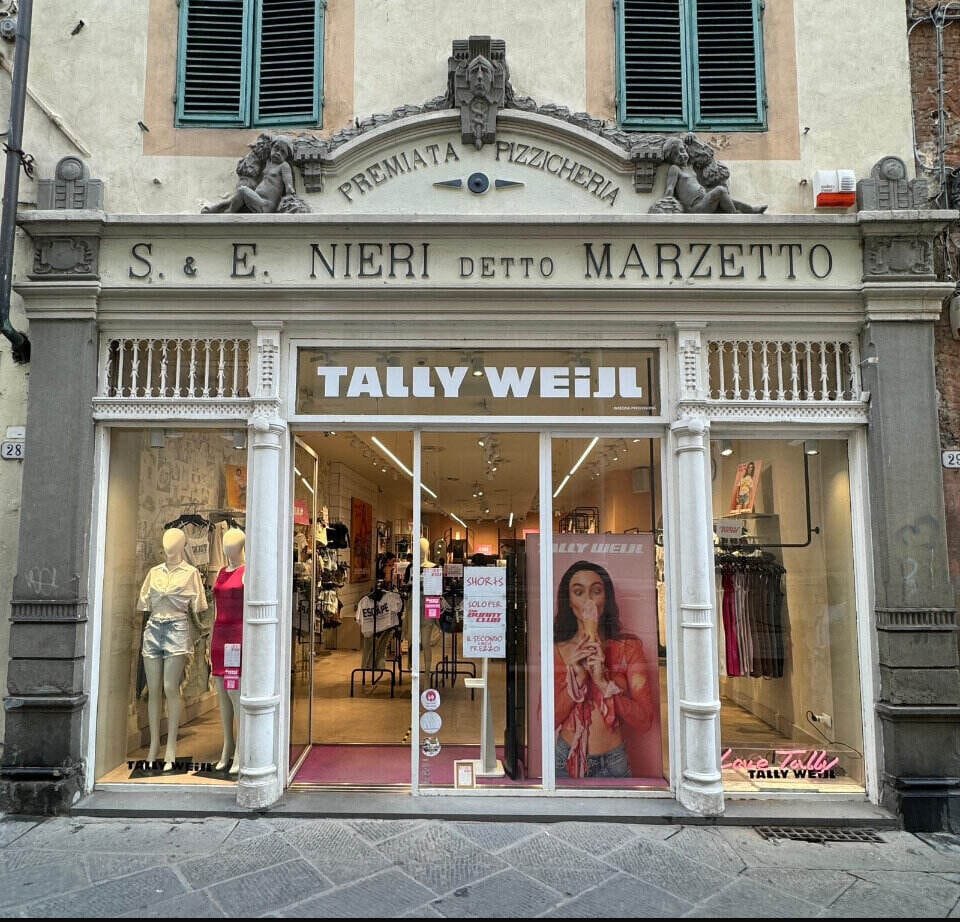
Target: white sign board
x=951, y=458
x=433, y=581
x=729, y=529
x=484, y=612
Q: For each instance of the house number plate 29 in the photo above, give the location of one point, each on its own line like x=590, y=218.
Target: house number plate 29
x=14, y=451
x=951, y=458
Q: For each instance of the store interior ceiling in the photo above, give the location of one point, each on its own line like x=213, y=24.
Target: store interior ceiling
x=482, y=476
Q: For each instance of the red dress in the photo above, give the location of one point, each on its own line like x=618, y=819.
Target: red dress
x=228, y=625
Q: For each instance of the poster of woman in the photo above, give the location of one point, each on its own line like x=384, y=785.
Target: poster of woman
x=605, y=666
x=745, y=486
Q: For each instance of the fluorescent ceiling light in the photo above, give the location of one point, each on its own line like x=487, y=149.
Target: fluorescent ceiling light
x=510, y=523
x=576, y=466
x=457, y=518
x=400, y=464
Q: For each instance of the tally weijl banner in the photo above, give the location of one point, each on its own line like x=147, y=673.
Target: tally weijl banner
x=441, y=381
x=501, y=382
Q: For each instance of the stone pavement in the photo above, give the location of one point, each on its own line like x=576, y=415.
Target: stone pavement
x=99, y=867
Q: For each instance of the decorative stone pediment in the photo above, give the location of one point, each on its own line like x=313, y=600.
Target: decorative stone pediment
x=480, y=148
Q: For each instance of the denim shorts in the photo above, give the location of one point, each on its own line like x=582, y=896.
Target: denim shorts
x=612, y=764
x=167, y=638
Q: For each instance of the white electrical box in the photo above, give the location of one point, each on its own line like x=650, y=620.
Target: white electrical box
x=834, y=188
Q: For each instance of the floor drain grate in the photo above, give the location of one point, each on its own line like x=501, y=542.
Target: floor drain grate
x=820, y=834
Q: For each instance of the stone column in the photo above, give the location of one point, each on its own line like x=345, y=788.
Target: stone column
x=260, y=784
x=916, y=618
x=700, y=786
x=42, y=770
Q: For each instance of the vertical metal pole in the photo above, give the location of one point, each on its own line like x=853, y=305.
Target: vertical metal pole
x=11, y=181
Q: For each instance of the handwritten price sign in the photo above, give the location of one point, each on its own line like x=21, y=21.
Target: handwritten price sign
x=484, y=643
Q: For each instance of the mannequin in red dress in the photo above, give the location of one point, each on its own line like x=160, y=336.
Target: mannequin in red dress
x=228, y=629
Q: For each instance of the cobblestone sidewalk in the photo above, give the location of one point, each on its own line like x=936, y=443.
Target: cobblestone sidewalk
x=217, y=867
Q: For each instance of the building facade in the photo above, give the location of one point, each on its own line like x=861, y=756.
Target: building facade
x=488, y=444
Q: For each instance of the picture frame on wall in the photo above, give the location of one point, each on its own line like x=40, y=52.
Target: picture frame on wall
x=745, y=487
x=384, y=533
x=235, y=486
x=361, y=546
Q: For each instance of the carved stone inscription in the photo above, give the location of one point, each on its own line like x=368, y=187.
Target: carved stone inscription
x=638, y=263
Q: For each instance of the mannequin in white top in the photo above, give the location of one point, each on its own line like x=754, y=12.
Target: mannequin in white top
x=228, y=629
x=429, y=629
x=170, y=592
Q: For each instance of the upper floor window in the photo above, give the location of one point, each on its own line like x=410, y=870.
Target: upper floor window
x=691, y=64
x=250, y=62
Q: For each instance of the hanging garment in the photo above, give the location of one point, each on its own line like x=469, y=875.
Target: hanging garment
x=378, y=612
x=750, y=597
x=228, y=624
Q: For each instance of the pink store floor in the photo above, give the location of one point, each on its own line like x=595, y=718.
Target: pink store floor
x=382, y=765
x=377, y=765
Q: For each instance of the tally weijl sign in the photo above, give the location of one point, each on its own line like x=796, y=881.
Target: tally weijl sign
x=549, y=383
x=504, y=382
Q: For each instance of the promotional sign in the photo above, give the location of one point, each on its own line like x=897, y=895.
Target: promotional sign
x=433, y=581
x=231, y=666
x=604, y=596
x=431, y=607
x=728, y=529
x=484, y=612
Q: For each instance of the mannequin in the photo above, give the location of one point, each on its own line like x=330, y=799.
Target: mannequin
x=429, y=630
x=228, y=629
x=170, y=592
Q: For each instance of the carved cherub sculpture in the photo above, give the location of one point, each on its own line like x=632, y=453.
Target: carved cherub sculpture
x=696, y=182
x=265, y=183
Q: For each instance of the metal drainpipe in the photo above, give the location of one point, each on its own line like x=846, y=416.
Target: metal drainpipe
x=11, y=183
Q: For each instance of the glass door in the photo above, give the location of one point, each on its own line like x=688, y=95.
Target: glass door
x=303, y=633
x=479, y=633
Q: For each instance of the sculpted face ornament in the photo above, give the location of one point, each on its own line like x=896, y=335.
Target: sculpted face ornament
x=480, y=74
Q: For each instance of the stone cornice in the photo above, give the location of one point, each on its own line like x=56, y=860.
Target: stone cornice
x=59, y=300
x=91, y=223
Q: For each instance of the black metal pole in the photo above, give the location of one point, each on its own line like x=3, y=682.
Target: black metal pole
x=11, y=181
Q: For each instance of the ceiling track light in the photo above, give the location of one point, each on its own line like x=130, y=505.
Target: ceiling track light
x=726, y=447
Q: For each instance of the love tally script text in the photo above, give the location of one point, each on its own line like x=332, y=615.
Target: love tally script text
x=786, y=763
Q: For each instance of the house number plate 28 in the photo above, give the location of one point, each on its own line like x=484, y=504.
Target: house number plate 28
x=12, y=450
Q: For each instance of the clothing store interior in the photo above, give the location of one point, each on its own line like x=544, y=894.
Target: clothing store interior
x=171, y=631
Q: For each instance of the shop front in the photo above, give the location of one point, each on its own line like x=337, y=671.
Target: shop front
x=484, y=501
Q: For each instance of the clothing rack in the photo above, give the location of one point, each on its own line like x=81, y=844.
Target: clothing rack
x=376, y=674
x=449, y=667
x=751, y=598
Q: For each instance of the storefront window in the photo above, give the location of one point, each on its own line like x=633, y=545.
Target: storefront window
x=172, y=606
x=608, y=624
x=791, y=714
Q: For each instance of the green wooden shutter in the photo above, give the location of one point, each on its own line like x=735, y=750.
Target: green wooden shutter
x=653, y=78
x=728, y=65
x=288, y=62
x=213, y=62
